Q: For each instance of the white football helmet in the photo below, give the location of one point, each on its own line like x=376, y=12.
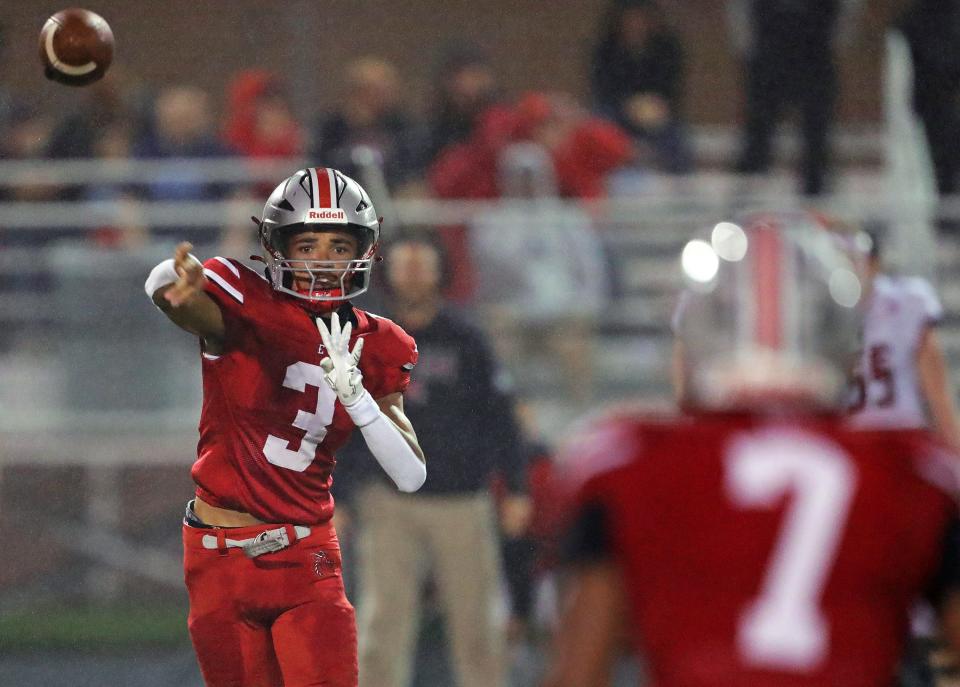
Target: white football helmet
x=319, y=199
x=769, y=317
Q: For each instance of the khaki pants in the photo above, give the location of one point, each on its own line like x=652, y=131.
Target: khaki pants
x=403, y=537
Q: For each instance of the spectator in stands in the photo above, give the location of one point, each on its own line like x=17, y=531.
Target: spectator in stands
x=468, y=425
x=260, y=121
x=637, y=81
x=467, y=132
x=932, y=30
x=789, y=58
x=116, y=98
x=372, y=115
x=466, y=89
x=541, y=271
x=115, y=108
x=27, y=137
x=28, y=133
x=584, y=151
x=125, y=228
x=182, y=127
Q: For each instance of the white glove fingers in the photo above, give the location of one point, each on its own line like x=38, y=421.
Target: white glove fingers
x=339, y=365
x=357, y=350
x=335, y=330
x=325, y=335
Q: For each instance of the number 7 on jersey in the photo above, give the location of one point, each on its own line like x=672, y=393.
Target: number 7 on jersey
x=784, y=627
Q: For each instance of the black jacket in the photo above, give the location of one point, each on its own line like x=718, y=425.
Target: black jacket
x=461, y=408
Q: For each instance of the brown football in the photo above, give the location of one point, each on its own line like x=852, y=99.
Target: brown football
x=76, y=47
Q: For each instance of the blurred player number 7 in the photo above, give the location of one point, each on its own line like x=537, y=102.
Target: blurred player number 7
x=784, y=627
x=76, y=47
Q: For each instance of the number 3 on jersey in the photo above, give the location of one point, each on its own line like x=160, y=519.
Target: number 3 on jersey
x=784, y=627
x=299, y=376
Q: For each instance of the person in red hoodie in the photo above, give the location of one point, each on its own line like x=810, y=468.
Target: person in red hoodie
x=584, y=149
x=260, y=121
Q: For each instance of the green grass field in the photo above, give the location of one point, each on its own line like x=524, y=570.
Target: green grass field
x=97, y=628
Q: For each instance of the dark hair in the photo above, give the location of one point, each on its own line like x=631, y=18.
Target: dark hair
x=450, y=123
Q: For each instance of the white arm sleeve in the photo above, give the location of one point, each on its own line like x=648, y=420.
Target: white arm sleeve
x=161, y=275
x=387, y=445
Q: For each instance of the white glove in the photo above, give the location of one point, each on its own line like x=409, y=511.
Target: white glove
x=340, y=364
x=383, y=439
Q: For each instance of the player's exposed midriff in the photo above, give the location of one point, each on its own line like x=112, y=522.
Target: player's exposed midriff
x=222, y=517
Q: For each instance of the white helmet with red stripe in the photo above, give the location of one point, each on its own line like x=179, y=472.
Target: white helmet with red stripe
x=769, y=317
x=319, y=199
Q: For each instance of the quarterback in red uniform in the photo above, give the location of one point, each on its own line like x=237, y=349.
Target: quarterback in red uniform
x=289, y=369
x=757, y=540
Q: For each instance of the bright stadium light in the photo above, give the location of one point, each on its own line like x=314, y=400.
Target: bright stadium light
x=699, y=261
x=729, y=241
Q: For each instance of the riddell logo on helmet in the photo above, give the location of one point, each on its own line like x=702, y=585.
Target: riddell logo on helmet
x=331, y=216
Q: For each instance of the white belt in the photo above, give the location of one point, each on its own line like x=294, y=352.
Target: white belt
x=267, y=541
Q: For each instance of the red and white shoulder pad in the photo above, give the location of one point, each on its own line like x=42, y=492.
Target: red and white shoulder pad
x=226, y=276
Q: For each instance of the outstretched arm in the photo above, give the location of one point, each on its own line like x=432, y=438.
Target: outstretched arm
x=176, y=286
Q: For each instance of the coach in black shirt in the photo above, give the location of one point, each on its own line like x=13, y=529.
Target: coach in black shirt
x=459, y=402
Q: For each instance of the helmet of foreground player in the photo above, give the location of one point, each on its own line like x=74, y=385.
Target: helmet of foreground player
x=319, y=199
x=769, y=319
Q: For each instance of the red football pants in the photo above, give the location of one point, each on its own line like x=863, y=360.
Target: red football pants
x=279, y=620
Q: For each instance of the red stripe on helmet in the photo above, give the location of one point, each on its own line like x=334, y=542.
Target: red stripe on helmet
x=324, y=180
x=767, y=287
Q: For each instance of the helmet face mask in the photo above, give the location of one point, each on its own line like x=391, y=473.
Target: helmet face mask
x=317, y=280
x=319, y=200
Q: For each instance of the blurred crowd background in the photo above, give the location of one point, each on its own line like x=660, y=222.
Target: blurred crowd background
x=559, y=153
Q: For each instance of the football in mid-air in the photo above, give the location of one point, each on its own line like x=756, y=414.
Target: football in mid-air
x=76, y=47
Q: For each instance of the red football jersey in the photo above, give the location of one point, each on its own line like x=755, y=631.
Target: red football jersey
x=270, y=424
x=756, y=552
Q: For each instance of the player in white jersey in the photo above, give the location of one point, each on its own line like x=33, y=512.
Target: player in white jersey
x=902, y=378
